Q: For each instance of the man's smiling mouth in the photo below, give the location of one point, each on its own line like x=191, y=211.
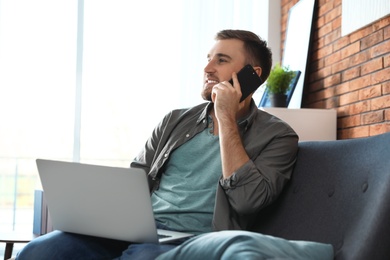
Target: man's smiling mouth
x=210, y=81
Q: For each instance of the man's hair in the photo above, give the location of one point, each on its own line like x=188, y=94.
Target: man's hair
x=257, y=52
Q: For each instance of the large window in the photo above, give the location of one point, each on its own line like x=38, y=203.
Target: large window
x=88, y=80
x=37, y=90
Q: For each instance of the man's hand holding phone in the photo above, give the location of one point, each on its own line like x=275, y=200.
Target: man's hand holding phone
x=245, y=81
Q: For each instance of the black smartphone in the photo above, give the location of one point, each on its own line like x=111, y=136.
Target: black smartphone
x=249, y=81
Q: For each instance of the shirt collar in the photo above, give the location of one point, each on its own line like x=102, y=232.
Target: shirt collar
x=205, y=112
x=247, y=121
x=242, y=123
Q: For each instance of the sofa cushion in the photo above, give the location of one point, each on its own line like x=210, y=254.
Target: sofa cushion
x=247, y=245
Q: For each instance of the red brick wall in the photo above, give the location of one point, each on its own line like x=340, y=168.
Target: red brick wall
x=350, y=73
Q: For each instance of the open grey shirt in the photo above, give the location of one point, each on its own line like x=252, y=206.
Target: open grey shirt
x=270, y=143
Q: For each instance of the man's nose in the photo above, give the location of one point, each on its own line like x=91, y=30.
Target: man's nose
x=209, y=68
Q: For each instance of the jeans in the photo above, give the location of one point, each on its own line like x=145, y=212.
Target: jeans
x=68, y=246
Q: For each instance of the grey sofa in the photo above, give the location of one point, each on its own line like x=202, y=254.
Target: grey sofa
x=339, y=194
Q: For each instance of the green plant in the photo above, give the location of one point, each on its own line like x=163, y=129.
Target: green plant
x=279, y=79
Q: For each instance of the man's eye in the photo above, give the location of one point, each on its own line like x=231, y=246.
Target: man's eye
x=221, y=60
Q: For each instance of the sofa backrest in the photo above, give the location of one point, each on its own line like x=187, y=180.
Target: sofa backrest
x=339, y=194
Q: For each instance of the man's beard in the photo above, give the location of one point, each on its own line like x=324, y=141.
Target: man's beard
x=206, y=95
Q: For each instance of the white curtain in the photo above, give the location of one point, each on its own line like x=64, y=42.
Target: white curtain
x=139, y=59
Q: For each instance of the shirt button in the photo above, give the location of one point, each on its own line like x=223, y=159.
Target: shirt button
x=187, y=135
x=166, y=155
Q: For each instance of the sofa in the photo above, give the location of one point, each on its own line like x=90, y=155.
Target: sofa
x=339, y=194
x=338, y=197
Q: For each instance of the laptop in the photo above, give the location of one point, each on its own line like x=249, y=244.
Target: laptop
x=102, y=201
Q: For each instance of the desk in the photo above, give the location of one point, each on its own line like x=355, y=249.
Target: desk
x=12, y=237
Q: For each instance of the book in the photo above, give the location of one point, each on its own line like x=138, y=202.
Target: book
x=41, y=223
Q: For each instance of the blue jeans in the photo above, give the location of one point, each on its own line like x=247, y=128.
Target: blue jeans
x=61, y=245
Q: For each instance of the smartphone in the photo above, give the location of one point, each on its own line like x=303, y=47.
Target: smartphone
x=249, y=81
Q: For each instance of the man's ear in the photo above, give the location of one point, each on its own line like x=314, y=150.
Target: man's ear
x=258, y=70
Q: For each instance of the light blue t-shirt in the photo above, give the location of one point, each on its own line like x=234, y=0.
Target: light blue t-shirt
x=186, y=197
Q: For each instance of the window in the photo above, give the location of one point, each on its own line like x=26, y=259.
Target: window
x=37, y=78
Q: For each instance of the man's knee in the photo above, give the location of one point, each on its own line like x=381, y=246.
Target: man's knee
x=44, y=247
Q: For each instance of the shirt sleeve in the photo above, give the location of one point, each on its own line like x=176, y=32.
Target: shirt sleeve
x=258, y=182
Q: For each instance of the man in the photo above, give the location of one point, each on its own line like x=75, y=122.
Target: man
x=211, y=167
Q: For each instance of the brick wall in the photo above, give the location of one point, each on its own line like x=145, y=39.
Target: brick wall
x=350, y=73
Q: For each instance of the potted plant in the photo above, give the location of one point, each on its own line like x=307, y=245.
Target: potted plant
x=278, y=83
